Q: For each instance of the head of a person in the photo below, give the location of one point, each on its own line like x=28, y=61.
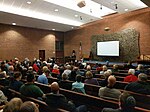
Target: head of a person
x=140, y=66
x=17, y=75
x=30, y=68
x=131, y=71
x=78, y=78
x=126, y=101
x=142, y=77
x=106, y=74
x=11, y=68
x=29, y=106
x=115, y=66
x=13, y=105
x=54, y=87
x=68, y=67
x=64, y=76
x=47, y=72
x=44, y=68
x=55, y=67
x=88, y=68
x=89, y=75
x=110, y=71
x=111, y=81
x=104, y=67
x=30, y=77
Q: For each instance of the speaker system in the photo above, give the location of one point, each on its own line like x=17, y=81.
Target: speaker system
x=81, y=4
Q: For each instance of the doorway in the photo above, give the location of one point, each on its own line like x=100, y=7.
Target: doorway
x=42, y=55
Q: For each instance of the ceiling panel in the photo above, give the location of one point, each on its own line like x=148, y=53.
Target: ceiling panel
x=45, y=8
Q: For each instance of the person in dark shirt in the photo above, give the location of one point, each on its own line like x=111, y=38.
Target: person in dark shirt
x=30, y=89
x=140, y=86
x=56, y=100
x=126, y=104
x=15, y=82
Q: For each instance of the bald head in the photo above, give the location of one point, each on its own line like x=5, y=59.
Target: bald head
x=54, y=87
x=111, y=81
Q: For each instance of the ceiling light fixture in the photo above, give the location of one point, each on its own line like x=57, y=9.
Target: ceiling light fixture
x=53, y=29
x=29, y=2
x=76, y=15
x=13, y=23
x=56, y=10
x=126, y=9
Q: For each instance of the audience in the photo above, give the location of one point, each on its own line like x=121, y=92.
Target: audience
x=78, y=86
x=131, y=77
x=126, y=104
x=30, y=89
x=109, y=91
x=90, y=79
x=140, y=86
x=56, y=100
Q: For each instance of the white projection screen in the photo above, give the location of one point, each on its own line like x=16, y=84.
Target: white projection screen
x=108, y=48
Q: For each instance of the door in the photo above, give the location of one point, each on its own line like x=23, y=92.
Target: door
x=42, y=55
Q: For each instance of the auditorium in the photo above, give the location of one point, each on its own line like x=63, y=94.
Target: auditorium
x=74, y=56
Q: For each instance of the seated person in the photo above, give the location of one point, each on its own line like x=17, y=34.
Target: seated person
x=29, y=106
x=90, y=79
x=15, y=82
x=78, y=86
x=140, y=86
x=3, y=100
x=56, y=100
x=65, y=83
x=109, y=91
x=104, y=68
x=104, y=82
x=126, y=104
x=140, y=69
x=73, y=74
x=131, y=77
x=13, y=105
x=43, y=78
x=115, y=68
x=30, y=89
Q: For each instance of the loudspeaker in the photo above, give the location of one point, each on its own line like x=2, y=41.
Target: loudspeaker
x=81, y=4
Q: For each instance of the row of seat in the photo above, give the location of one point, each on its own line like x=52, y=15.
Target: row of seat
x=142, y=100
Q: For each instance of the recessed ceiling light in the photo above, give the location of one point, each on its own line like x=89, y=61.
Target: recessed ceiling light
x=125, y=9
x=56, y=10
x=13, y=23
x=29, y=2
x=53, y=29
x=76, y=15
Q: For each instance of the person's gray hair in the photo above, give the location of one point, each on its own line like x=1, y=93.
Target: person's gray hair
x=142, y=77
x=131, y=71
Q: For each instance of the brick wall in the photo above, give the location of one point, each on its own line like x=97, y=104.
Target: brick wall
x=24, y=42
x=139, y=20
